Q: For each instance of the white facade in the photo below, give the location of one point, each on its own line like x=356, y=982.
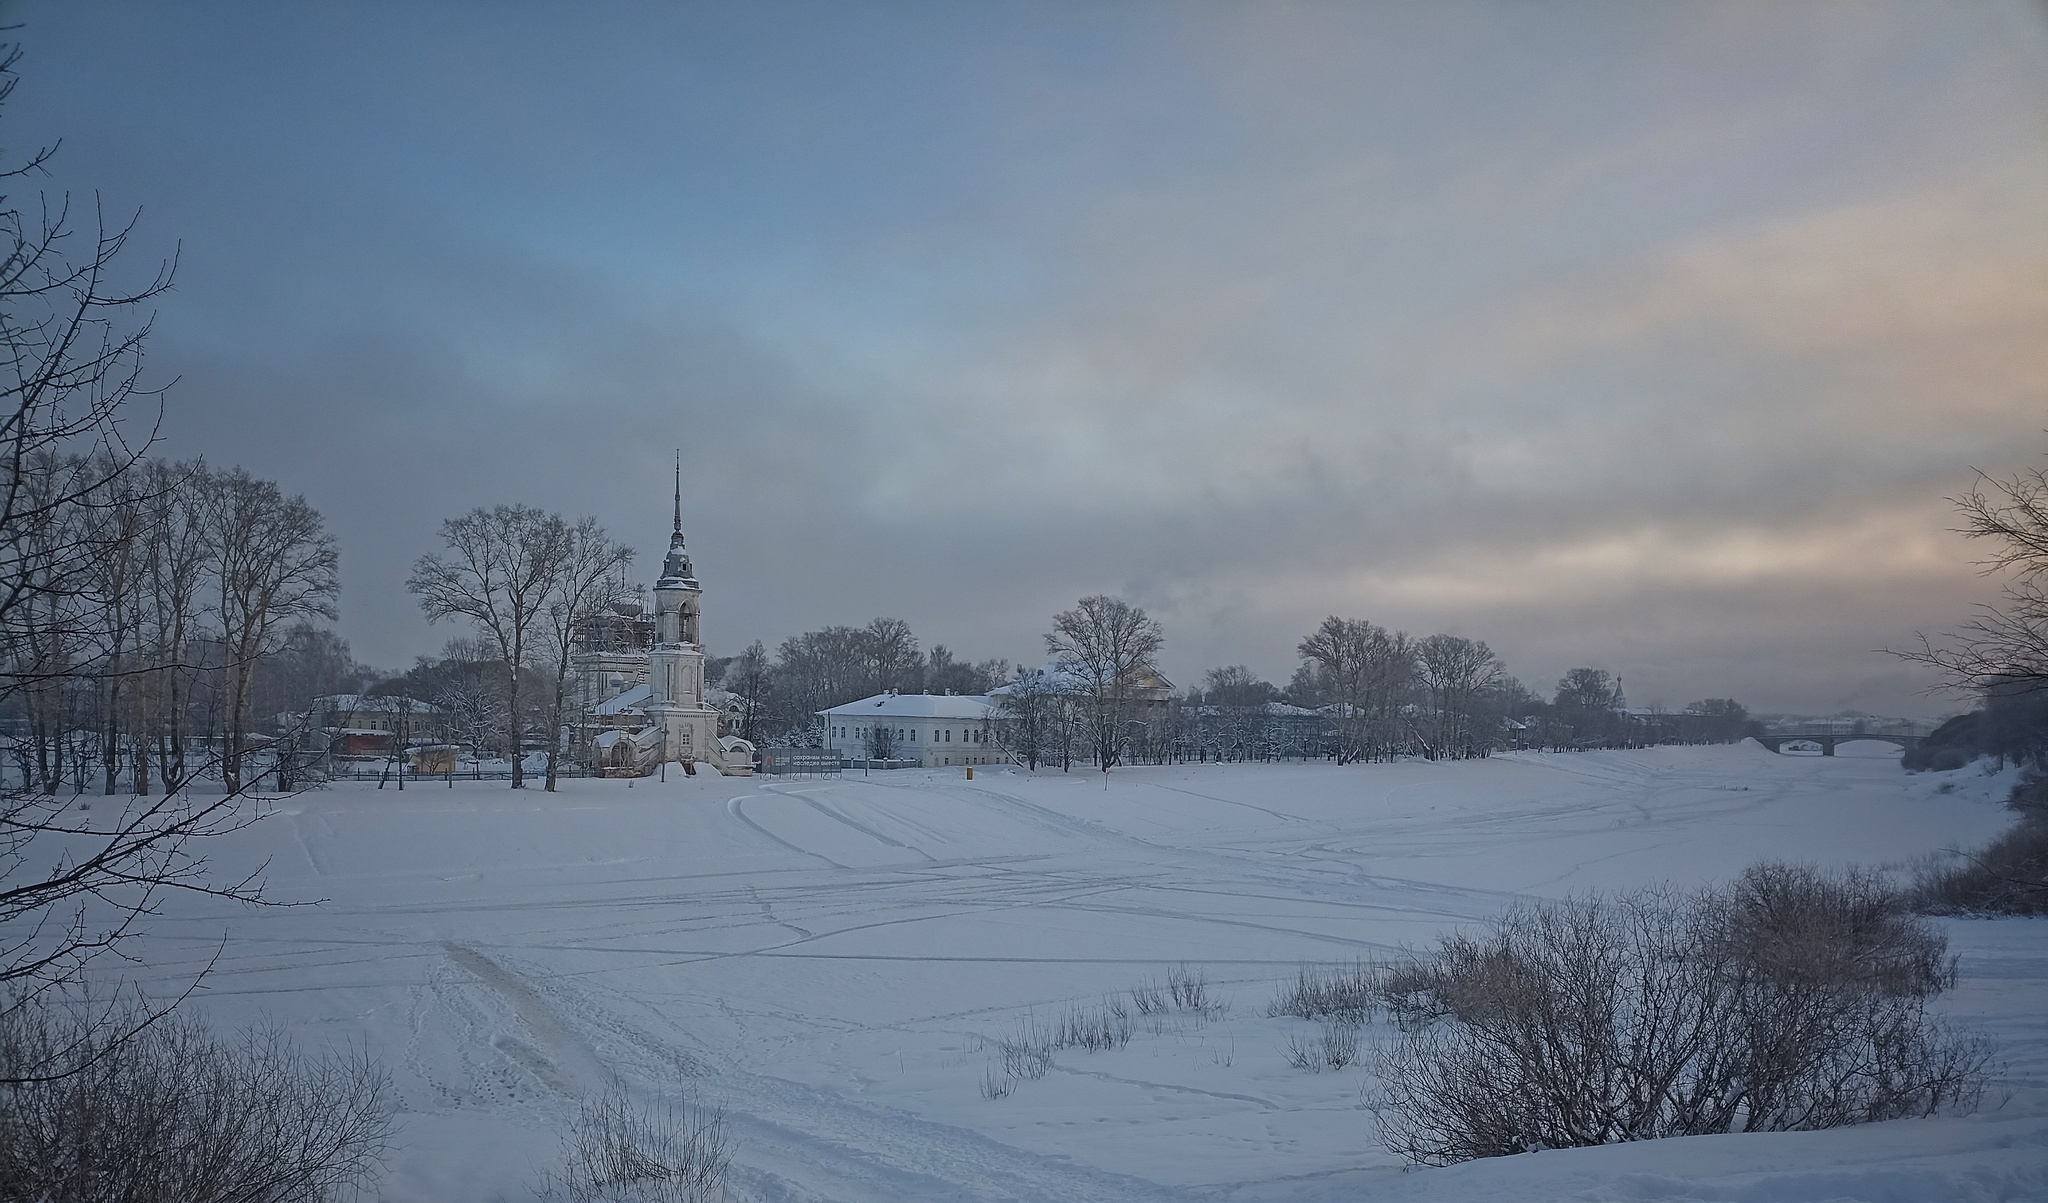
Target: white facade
x=937, y=730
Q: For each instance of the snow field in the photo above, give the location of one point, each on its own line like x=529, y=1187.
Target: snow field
x=831, y=961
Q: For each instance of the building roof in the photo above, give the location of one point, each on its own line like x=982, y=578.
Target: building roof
x=629, y=700
x=378, y=703
x=973, y=707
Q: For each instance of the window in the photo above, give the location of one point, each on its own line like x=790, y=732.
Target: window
x=949, y=735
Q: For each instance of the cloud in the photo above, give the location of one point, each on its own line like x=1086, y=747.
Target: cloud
x=1645, y=336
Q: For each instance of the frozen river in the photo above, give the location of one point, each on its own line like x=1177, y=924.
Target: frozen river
x=825, y=958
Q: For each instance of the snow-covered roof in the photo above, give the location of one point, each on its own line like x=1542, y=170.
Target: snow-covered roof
x=378, y=703
x=630, y=700
x=1288, y=710
x=973, y=707
x=1054, y=676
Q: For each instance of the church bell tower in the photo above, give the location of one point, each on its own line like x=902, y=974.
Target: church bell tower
x=676, y=662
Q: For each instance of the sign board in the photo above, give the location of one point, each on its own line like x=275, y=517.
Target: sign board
x=799, y=760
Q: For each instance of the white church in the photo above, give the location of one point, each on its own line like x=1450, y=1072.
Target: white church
x=640, y=679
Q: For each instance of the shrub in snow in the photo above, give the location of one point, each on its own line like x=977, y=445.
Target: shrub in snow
x=1334, y=1048
x=620, y=1152
x=99, y=1105
x=2007, y=877
x=1107, y=1027
x=1190, y=991
x=1347, y=993
x=1027, y=1051
x=1789, y=1000
x=1185, y=990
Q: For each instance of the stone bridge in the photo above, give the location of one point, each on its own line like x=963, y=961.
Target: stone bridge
x=1776, y=740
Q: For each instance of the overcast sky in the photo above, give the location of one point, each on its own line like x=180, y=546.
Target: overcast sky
x=1646, y=336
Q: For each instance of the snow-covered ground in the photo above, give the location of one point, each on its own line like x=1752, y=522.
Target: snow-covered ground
x=825, y=958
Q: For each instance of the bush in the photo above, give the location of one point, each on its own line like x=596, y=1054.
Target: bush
x=1851, y=928
x=169, y=1112
x=1335, y=1048
x=621, y=1152
x=1189, y=990
x=1788, y=1001
x=2009, y=876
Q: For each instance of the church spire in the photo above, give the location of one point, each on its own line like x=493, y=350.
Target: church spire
x=675, y=569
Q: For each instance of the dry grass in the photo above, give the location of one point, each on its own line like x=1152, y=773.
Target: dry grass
x=2009, y=876
x=1348, y=993
x=622, y=1152
x=1334, y=1047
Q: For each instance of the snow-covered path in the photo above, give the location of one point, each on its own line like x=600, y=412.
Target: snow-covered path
x=825, y=958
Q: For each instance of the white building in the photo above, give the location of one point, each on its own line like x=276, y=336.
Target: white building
x=935, y=729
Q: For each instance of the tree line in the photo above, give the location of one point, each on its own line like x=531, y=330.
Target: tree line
x=162, y=609
x=776, y=698
x=151, y=608
x=1361, y=693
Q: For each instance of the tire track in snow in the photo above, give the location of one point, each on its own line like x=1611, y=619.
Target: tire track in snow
x=869, y=832
x=565, y=1061
x=828, y=1148
x=732, y=807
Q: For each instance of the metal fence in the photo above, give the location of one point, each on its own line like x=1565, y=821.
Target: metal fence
x=360, y=773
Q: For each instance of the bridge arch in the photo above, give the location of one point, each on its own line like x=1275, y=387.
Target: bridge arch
x=1776, y=740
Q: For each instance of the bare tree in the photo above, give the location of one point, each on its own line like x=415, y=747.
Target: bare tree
x=502, y=572
x=176, y=561
x=945, y=674
x=820, y=669
x=892, y=656
x=71, y=344
x=591, y=577
x=1456, y=674
x=749, y=679
x=878, y=740
x=74, y=422
x=1363, y=669
x=118, y=511
x=1585, y=701
x=2006, y=645
x=1029, y=706
x=1107, y=644
x=1236, y=685
x=274, y=564
x=465, y=682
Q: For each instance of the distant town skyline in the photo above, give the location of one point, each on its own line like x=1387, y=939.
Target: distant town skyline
x=1645, y=337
